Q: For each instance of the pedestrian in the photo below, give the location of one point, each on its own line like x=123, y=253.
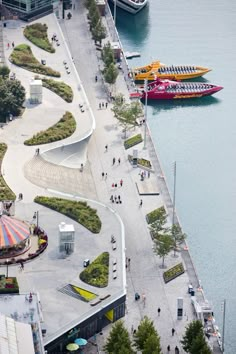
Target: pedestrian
x=144, y=299
x=173, y=331
x=106, y=148
x=168, y=348
x=106, y=104
x=158, y=311
x=103, y=174
x=99, y=105
x=102, y=104
x=106, y=176
x=141, y=203
x=129, y=263
x=119, y=160
x=113, y=161
x=96, y=78
x=8, y=45
x=111, y=199
x=176, y=350
x=121, y=182
x=13, y=44
x=118, y=197
x=115, y=197
x=113, y=185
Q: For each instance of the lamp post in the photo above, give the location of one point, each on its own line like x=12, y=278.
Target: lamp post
x=223, y=330
x=145, y=115
x=115, y=12
x=173, y=212
x=7, y=268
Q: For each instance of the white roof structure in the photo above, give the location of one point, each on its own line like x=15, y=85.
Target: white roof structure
x=15, y=337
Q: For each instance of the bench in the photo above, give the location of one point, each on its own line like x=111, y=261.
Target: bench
x=105, y=297
x=95, y=303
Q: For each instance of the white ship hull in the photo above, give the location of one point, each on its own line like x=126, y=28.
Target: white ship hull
x=130, y=5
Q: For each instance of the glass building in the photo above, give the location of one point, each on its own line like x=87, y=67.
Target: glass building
x=27, y=9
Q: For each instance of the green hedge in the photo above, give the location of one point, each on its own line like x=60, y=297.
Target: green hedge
x=155, y=215
x=134, y=140
x=5, y=192
x=37, y=34
x=61, y=130
x=22, y=56
x=5, y=290
x=97, y=273
x=78, y=211
x=60, y=88
x=173, y=272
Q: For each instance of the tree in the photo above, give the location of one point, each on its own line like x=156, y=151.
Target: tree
x=12, y=96
x=163, y=244
x=160, y=220
x=126, y=113
x=107, y=54
x=94, y=17
x=99, y=32
x=193, y=330
x=4, y=71
x=178, y=236
x=118, y=341
x=118, y=103
x=110, y=74
x=152, y=345
x=199, y=345
x=145, y=330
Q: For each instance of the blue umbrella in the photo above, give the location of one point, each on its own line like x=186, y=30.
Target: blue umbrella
x=80, y=341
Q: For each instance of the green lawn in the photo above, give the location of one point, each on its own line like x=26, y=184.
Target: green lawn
x=22, y=56
x=5, y=192
x=60, y=88
x=96, y=274
x=81, y=212
x=61, y=130
x=37, y=34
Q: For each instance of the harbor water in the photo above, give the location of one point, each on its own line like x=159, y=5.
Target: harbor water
x=199, y=134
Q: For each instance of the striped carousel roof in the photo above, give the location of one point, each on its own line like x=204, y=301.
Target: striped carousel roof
x=12, y=231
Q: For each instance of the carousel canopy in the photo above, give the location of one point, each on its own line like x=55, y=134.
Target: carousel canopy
x=12, y=231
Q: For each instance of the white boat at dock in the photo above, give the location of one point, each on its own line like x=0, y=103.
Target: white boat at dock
x=130, y=55
x=131, y=6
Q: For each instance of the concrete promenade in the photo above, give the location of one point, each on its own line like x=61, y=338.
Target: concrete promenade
x=31, y=176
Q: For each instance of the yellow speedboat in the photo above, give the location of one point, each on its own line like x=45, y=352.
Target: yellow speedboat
x=172, y=72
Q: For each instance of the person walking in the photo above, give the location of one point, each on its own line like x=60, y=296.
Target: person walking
x=121, y=182
x=106, y=148
x=168, y=348
x=173, y=331
x=102, y=104
x=13, y=44
x=106, y=176
x=106, y=104
x=119, y=160
x=158, y=311
x=113, y=161
x=141, y=203
x=176, y=350
x=96, y=78
x=99, y=105
x=103, y=174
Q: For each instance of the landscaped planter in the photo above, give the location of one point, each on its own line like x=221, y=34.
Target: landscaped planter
x=8, y=285
x=173, y=272
x=155, y=215
x=134, y=140
x=142, y=163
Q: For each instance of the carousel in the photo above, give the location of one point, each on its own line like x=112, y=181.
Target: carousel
x=14, y=237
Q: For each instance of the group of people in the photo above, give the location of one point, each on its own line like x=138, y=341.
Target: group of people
x=103, y=105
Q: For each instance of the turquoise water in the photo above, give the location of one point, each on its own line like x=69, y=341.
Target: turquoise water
x=200, y=135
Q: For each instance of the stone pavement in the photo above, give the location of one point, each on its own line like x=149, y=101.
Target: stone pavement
x=145, y=274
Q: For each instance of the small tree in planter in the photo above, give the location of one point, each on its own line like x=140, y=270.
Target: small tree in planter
x=162, y=246
x=178, y=236
x=99, y=32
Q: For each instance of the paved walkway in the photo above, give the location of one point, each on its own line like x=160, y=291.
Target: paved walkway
x=145, y=274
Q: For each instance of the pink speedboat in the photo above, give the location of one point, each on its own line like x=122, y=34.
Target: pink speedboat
x=170, y=90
